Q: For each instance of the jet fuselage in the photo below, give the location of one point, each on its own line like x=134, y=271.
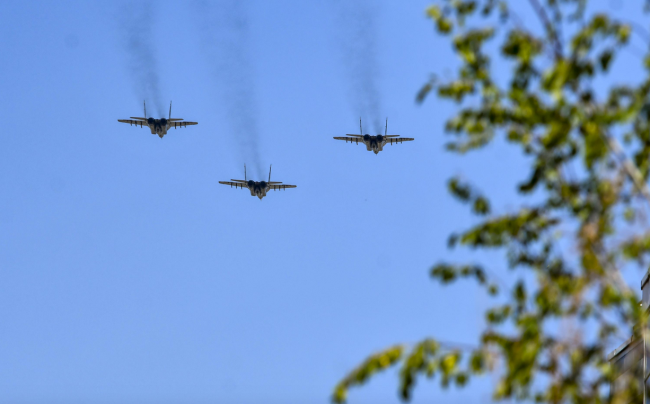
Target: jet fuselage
x=374, y=143
x=158, y=126
x=258, y=188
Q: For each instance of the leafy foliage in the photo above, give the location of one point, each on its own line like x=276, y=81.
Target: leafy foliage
x=581, y=220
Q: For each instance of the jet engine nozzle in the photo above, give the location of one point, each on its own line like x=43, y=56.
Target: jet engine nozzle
x=251, y=183
x=263, y=184
x=163, y=121
x=151, y=121
x=366, y=137
x=380, y=138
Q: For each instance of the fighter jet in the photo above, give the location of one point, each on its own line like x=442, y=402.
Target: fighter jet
x=158, y=126
x=257, y=188
x=374, y=143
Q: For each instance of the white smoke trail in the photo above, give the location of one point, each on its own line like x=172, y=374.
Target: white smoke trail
x=224, y=30
x=136, y=20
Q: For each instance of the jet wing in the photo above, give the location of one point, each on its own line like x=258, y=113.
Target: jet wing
x=241, y=185
x=141, y=124
x=277, y=187
x=181, y=124
x=392, y=140
x=350, y=139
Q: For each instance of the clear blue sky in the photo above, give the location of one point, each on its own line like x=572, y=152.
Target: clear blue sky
x=128, y=274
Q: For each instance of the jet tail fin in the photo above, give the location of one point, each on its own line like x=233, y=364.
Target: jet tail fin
x=245, y=172
x=386, y=132
x=145, y=108
x=170, y=110
x=360, y=128
x=270, y=172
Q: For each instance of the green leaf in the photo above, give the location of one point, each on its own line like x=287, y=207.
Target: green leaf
x=374, y=364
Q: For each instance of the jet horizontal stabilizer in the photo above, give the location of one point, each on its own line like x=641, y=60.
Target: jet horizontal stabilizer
x=353, y=135
x=135, y=117
x=175, y=119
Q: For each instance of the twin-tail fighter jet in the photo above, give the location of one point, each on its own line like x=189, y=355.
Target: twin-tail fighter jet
x=158, y=126
x=374, y=143
x=257, y=188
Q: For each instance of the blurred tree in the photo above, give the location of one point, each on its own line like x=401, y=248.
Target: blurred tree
x=581, y=218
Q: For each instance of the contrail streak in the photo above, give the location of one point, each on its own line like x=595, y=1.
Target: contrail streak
x=136, y=21
x=356, y=22
x=224, y=29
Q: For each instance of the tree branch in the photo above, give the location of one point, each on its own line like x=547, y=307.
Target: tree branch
x=541, y=13
x=629, y=167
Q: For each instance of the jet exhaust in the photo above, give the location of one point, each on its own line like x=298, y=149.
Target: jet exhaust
x=136, y=21
x=224, y=30
x=356, y=30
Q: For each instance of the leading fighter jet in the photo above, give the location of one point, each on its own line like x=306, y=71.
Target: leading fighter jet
x=374, y=143
x=158, y=126
x=257, y=188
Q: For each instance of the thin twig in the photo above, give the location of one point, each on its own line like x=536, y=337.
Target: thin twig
x=629, y=167
x=460, y=346
x=612, y=274
x=521, y=27
x=541, y=13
